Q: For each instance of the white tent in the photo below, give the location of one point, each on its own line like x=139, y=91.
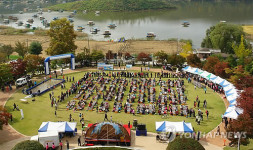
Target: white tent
x=166, y=126
x=57, y=126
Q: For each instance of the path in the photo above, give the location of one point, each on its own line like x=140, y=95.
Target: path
x=8, y=133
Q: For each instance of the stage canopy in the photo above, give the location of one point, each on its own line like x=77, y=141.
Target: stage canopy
x=166, y=126
x=57, y=126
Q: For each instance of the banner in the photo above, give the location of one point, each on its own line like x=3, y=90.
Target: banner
x=104, y=67
x=22, y=114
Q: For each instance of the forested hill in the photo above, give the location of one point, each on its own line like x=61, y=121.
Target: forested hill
x=114, y=5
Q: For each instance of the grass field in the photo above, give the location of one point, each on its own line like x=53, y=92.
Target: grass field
x=242, y=147
x=14, y=57
x=248, y=29
x=40, y=110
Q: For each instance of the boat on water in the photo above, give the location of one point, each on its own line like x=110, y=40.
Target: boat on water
x=94, y=30
x=71, y=20
x=6, y=21
x=30, y=21
x=80, y=28
x=107, y=33
x=40, y=12
x=151, y=34
x=20, y=23
x=21, y=12
x=112, y=25
x=97, y=12
x=55, y=18
x=35, y=16
x=15, y=18
x=223, y=21
x=28, y=25
x=185, y=23
x=91, y=23
x=41, y=17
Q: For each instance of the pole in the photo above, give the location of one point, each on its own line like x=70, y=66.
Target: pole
x=239, y=141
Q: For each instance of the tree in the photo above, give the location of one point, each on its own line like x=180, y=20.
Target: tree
x=241, y=51
x=249, y=67
x=176, y=60
x=21, y=49
x=31, y=145
x=62, y=37
x=18, y=68
x=180, y=143
x=222, y=36
x=5, y=74
x=161, y=56
x=210, y=63
x=187, y=50
x=35, y=48
x=193, y=60
x=245, y=120
x=34, y=62
x=7, y=49
x=219, y=69
x=96, y=55
x=231, y=61
x=143, y=57
x=4, y=117
x=2, y=57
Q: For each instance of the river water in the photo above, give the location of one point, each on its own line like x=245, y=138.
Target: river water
x=166, y=24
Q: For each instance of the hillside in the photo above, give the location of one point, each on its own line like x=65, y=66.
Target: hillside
x=114, y=5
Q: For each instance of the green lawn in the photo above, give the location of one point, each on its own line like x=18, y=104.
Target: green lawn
x=40, y=110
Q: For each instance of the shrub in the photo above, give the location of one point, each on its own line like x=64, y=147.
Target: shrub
x=181, y=143
x=28, y=145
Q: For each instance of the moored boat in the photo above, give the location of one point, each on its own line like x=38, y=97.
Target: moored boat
x=185, y=23
x=91, y=23
x=107, y=32
x=80, y=28
x=30, y=20
x=151, y=34
x=6, y=21
x=112, y=25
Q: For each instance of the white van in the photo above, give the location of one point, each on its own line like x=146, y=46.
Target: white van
x=21, y=82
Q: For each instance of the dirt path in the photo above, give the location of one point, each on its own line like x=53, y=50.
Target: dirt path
x=8, y=133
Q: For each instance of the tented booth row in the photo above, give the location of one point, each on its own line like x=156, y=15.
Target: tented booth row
x=230, y=91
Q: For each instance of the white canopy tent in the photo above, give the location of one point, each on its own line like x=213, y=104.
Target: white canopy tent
x=166, y=126
x=57, y=126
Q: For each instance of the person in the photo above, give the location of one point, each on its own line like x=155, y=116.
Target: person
x=129, y=124
x=11, y=118
x=60, y=144
x=14, y=106
x=79, y=141
x=205, y=103
x=198, y=136
x=198, y=103
x=218, y=130
x=55, y=113
x=47, y=146
x=67, y=144
x=195, y=87
x=106, y=117
x=53, y=146
x=70, y=117
x=205, y=89
x=17, y=107
x=207, y=113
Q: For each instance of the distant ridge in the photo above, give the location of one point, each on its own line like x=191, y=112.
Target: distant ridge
x=114, y=5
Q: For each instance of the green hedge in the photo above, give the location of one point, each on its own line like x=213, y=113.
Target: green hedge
x=28, y=145
x=182, y=143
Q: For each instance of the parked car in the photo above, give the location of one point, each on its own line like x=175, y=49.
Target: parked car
x=21, y=82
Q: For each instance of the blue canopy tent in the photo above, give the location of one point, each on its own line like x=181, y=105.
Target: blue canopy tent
x=57, y=126
x=166, y=126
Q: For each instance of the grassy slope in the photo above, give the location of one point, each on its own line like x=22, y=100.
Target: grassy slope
x=40, y=110
x=113, y=5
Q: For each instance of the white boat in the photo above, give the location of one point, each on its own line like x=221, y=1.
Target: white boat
x=21, y=12
x=6, y=21
x=41, y=17
x=91, y=23
x=107, y=32
x=185, y=23
x=94, y=30
x=151, y=34
x=112, y=25
x=80, y=28
x=97, y=12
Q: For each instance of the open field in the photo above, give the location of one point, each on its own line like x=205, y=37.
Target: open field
x=249, y=30
x=40, y=110
x=132, y=46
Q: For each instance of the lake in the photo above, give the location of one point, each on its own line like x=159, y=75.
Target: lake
x=165, y=24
